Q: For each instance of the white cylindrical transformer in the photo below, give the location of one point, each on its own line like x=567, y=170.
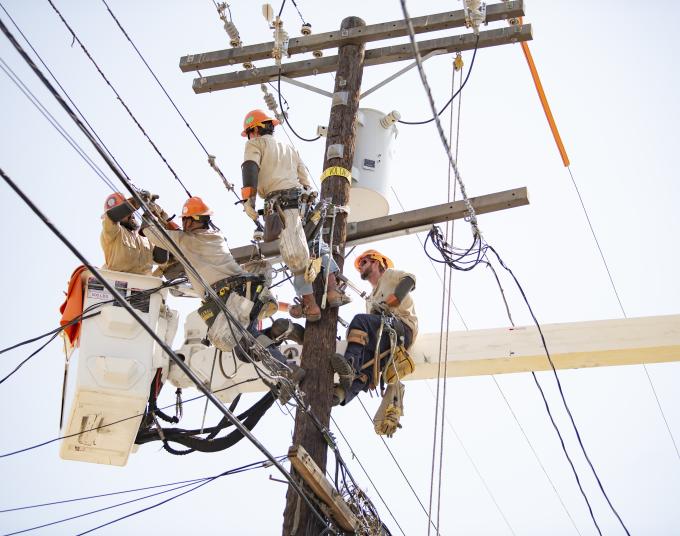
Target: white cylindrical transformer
x=373, y=156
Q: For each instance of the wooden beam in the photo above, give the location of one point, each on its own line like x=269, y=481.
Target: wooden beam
x=407, y=222
x=598, y=343
x=335, y=39
x=377, y=56
x=322, y=488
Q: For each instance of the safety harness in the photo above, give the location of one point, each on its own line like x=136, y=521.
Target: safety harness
x=279, y=200
x=246, y=285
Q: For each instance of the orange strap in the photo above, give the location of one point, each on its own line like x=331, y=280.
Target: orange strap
x=73, y=306
x=544, y=102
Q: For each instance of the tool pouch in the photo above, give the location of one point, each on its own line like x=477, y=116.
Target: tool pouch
x=402, y=365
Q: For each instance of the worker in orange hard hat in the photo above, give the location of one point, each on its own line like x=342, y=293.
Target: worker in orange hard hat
x=206, y=250
x=275, y=171
x=389, y=307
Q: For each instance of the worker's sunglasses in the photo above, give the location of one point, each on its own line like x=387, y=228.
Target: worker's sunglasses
x=365, y=261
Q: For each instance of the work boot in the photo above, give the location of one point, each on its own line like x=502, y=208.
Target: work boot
x=343, y=369
x=338, y=395
x=308, y=308
x=334, y=297
x=295, y=374
x=287, y=330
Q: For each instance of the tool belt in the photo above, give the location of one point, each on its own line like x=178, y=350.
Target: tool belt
x=247, y=285
x=278, y=201
x=392, y=364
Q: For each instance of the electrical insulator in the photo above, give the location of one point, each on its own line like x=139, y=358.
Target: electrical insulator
x=232, y=31
x=475, y=14
x=306, y=29
x=458, y=62
x=390, y=119
x=317, y=53
x=247, y=65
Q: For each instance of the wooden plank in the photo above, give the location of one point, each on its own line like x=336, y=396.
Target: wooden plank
x=377, y=56
x=406, y=222
x=322, y=488
x=598, y=343
x=335, y=39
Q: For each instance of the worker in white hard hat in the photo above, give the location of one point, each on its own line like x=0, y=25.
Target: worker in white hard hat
x=275, y=171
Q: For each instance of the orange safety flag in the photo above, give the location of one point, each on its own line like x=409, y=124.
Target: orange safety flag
x=72, y=307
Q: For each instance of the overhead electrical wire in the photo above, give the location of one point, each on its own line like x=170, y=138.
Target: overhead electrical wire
x=63, y=90
x=120, y=99
x=180, y=485
x=453, y=96
x=211, y=158
x=389, y=450
x=285, y=114
x=55, y=124
x=475, y=262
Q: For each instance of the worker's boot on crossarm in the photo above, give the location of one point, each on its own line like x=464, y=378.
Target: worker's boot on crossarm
x=334, y=297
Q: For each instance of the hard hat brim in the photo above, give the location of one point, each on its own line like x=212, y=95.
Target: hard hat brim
x=275, y=122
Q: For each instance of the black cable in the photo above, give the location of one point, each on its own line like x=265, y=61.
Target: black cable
x=298, y=10
x=285, y=114
x=281, y=9
x=155, y=78
x=120, y=99
x=76, y=499
x=559, y=386
x=29, y=357
x=94, y=133
x=426, y=121
x=180, y=486
x=53, y=121
x=226, y=473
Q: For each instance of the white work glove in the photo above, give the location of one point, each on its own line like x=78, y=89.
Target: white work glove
x=250, y=210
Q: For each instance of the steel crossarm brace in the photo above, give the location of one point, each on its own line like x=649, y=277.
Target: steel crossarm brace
x=334, y=39
x=399, y=73
x=406, y=222
x=376, y=56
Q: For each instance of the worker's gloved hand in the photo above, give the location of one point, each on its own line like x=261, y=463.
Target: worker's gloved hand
x=249, y=207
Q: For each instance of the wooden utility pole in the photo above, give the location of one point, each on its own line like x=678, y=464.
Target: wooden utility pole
x=320, y=337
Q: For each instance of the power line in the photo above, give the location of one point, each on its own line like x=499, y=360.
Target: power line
x=120, y=99
x=180, y=485
x=68, y=97
x=285, y=114
x=623, y=311
x=408, y=482
x=55, y=124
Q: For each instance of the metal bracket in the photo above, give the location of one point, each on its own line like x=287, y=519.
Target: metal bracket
x=308, y=87
x=399, y=73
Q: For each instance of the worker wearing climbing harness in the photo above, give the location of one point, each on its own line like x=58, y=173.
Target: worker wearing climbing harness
x=275, y=171
x=207, y=251
x=377, y=341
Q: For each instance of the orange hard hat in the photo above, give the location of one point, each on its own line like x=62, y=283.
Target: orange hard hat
x=374, y=256
x=195, y=206
x=256, y=118
x=114, y=200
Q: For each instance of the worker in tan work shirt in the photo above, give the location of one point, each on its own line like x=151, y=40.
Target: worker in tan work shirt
x=275, y=171
x=125, y=250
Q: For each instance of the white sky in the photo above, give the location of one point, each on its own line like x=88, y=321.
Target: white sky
x=608, y=69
